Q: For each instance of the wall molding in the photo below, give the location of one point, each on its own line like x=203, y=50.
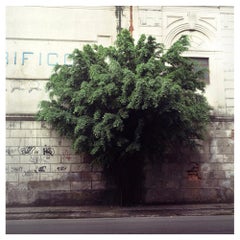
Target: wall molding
x=32, y=117
x=21, y=117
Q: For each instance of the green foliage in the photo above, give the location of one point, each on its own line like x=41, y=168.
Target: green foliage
x=129, y=98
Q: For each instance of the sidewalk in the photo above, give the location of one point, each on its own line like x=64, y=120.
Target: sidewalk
x=52, y=212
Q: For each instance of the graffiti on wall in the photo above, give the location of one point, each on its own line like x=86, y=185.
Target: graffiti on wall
x=40, y=169
x=66, y=155
x=16, y=169
x=37, y=154
x=61, y=168
x=10, y=151
x=193, y=173
x=26, y=150
x=48, y=151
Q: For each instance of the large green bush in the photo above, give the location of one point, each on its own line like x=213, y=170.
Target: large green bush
x=123, y=102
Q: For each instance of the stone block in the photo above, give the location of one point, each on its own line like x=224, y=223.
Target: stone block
x=56, y=142
x=226, y=183
x=12, y=177
x=80, y=167
x=213, y=175
x=18, y=168
x=223, y=134
x=97, y=176
x=13, y=142
x=54, y=134
x=85, y=176
x=219, y=174
x=171, y=184
x=227, y=166
x=228, y=158
x=207, y=167
x=48, y=185
x=65, y=142
x=230, y=110
x=153, y=196
x=8, y=133
x=223, y=125
x=13, y=125
x=48, y=177
x=31, y=125
x=189, y=183
x=71, y=177
x=216, y=158
x=20, y=133
x=209, y=183
x=225, y=195
x=229, y=174
x=209, y=195
x=29, y=175
x=97, y=168
x=191, y=194
x=30, y=141
x=63, y=150
x=81, y=185
x=204, y=157
x=26, y=159
x=227, y=148
x=12, y=159
x=11, y=185
x=20, y=197
x=97, y=185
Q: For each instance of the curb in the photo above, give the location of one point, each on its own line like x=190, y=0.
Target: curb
x=116, y=212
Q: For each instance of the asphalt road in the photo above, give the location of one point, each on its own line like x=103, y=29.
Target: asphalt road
x=149, y=225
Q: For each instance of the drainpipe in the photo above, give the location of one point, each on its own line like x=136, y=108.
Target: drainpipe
x=131, y=21
x=118, y=14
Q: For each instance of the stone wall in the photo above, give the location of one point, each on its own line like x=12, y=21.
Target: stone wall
x=42, y=168
x=204, y=176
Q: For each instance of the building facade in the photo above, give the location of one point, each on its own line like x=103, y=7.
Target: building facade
x=41, y=166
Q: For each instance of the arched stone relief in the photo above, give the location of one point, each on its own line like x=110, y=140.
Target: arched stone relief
x=198, y=40
x=201, y=30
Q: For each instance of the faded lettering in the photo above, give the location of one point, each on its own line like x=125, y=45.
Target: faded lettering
x=50, y=58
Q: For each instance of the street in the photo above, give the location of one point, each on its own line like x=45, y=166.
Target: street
x=150, y=225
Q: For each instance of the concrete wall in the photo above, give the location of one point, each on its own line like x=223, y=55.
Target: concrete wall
x=41, y=167
x=39, y=37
